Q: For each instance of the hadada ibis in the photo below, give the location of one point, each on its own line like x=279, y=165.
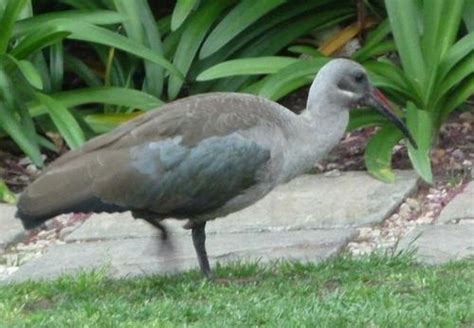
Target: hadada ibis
x=203, y=157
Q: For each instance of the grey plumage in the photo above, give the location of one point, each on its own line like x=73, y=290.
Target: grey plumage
x=181, y=160
x=201, y=157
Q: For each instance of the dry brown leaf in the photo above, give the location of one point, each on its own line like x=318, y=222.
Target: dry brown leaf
x=341, y=38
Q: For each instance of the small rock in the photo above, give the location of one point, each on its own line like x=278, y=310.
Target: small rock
x=6, y=271
x=42, y=243
x=31, y=169
x=360, y=248
x=47, y=234
x=11, y=259
x=11, y=270
x=333, y=173
x=414, y=204
x=438, y=154
x=376, y=233
x=66, y=231
x=424, y=220
x=27, y=247
x=25, y=161
x=365, y=232
x=405, y=211
x=467, y=116
x=332, y=166
x=25, y=257
x=49, y=225
x=386, y=244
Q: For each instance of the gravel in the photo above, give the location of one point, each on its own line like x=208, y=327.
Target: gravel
x=37, y=242
x=452, y=169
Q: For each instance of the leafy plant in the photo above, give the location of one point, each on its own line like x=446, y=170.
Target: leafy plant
x=36, y=55
x=91, y=66
x=6, y=195
x=32, y=67
x=129, y=61
x=438, y=70
x=435, y=77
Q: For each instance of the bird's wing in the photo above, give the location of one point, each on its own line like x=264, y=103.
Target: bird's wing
x=194, y=118
x=187, y=157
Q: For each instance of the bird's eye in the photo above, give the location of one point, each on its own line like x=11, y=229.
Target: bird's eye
x=359, y=77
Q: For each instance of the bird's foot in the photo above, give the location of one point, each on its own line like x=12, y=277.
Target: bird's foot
x=199, y=240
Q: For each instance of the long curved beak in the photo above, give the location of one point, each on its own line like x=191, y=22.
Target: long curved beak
x=377, y=100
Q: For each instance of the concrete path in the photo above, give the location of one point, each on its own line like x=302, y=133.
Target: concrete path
x=11, y=229
x=452, y=235
x=311, y=218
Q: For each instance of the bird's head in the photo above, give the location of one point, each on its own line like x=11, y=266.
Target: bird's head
x=345, y=85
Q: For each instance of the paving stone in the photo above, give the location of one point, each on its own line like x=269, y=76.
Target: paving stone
x=144, y=256
x=438, y=244
x=111, y=226
x=317, y=201
x=310, y=201
x=11, y=229
x=460, y=208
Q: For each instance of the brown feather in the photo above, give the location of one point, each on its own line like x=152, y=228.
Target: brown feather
x=101, y=168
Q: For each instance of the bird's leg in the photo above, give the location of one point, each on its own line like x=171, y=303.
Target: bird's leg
x=159, y=226
x=199, y=241
x=151, y=218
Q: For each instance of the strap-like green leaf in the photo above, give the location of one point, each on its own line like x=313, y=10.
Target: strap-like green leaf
x=374, y=39
x=241, y=17
x=291, y=77
x=458, y=96
x=278, y=38
x=142, y=28
x=107, y=95
x=386, y=75
x=28, y=70
x=456, y=53
x=288, y=15
x=404, y=20
x=363, y=118
x=306, y=50
x=10, y=124
x=246, y=66
x=56, y=65
x=420, y=124
x=89, y=76
x=30, y=73
x=98, y=17
x=102, y=123
x=6, y=195
x=191, y=38
x=461, y=71
x=468, y=15
x=7, y=21
x=95, y=34
x=441, y=20
x=181, y=11
x=378, y=154
x=63, y=120
x=39, y=39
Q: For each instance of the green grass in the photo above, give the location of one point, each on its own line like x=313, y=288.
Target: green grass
x=373, y=291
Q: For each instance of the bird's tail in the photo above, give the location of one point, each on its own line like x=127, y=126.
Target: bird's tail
x=60, y=189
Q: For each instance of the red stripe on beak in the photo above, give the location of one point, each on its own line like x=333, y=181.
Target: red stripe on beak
x=380, y=96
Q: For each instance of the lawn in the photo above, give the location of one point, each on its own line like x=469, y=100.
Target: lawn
x=372, y=291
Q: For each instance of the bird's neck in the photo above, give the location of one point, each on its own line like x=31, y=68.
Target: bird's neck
x=323, y=128
x=318, y=130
